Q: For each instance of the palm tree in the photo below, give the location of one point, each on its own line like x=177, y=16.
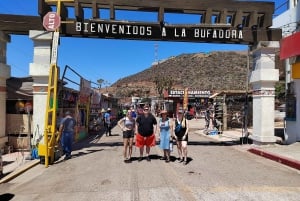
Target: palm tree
x=100, y=82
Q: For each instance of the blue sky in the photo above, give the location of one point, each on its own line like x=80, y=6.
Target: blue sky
x=107, y=59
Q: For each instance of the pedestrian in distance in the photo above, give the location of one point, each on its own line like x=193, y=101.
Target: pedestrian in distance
x=133, y=113
x=146, y=127
x=165, y=130
x=67, y=130
x=102, y=114
x=107, y=120
x=127, y=125
x=181, y=129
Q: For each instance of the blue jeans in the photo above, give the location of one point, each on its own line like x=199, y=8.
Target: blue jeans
x=66, y=142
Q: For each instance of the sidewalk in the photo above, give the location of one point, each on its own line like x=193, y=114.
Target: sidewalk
x=14, y=164
x=286, y=154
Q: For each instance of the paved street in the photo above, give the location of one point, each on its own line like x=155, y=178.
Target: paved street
x=216, y=171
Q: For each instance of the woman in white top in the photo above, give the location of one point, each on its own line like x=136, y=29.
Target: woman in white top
x=127, y=125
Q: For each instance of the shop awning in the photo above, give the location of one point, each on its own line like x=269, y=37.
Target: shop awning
x=19, y=88
x=289, y=46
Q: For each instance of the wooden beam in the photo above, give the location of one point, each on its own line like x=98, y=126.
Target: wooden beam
x=43, y=8
x=112, y=14
x=161, y=15
x=96, y=13
x=223, y=16
x=208, y=7
x=79, y=14
x=187, y=4
x=249, y=36
x=183, y=5
x=20, y=24
x=267, y=20
x=207, y=16
x=63, y=12
x=253, y=19
x=237, y=18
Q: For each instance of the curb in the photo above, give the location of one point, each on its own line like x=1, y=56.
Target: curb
x=17, y=172
x=280, y=159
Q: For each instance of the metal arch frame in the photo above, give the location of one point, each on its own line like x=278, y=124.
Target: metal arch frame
x=253, y=18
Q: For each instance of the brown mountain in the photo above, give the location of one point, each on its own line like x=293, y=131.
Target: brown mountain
x=203, y=71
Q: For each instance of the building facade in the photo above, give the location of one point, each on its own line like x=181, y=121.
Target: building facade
x=289, y=22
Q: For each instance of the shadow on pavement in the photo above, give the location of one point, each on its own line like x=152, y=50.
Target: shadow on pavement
x=6, y=196
x=213, y=143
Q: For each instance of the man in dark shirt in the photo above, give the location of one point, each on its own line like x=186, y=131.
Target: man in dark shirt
x=67, y=128
x=146, y=126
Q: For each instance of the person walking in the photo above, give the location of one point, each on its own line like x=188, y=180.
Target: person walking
x=146, y=126
x=67, y=130
x=127, y=125
x=165, y=129
x=107, y=120
x=101, y=115
x=133, y=113
x=181, y=128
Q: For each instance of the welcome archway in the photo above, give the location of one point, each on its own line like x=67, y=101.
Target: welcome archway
x=220, y=21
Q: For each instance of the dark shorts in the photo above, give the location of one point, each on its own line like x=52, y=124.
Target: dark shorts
x=179, y=138
x=128, y=134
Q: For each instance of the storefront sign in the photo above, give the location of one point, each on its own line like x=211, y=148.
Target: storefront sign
x=289, y=46
x=191, y=93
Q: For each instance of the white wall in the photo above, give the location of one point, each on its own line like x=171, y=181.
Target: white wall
x=288, y=22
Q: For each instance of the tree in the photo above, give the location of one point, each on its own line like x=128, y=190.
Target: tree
x=162, y=83
x=280, y=91
x=169, y=83
x=100, y=82
x=159, y=85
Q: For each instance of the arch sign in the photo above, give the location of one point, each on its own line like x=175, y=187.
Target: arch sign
x=220, y=21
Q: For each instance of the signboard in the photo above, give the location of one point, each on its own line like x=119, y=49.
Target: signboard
x=51, y=21
x=156, y=31
x=190, y=93
x=54, y=47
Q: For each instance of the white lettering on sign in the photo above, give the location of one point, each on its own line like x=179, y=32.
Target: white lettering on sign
x=114, y=29
x=218, y=33
x=191, y=93
x=136, y=30
x=51, y=21
x=54, y=47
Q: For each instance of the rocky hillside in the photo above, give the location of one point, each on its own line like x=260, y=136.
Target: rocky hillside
x=212, y=71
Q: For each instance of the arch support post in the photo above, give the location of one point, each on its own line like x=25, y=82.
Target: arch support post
x=263, y=78
x=39, y=70
x=5, y=73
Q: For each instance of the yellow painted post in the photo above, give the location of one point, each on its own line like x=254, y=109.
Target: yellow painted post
x=49, y=147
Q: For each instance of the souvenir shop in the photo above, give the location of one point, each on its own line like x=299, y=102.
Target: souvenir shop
x=19, y=110
x=78, y=103
x=196, y=100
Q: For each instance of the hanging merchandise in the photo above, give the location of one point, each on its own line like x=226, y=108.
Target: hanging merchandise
x=20, y=106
